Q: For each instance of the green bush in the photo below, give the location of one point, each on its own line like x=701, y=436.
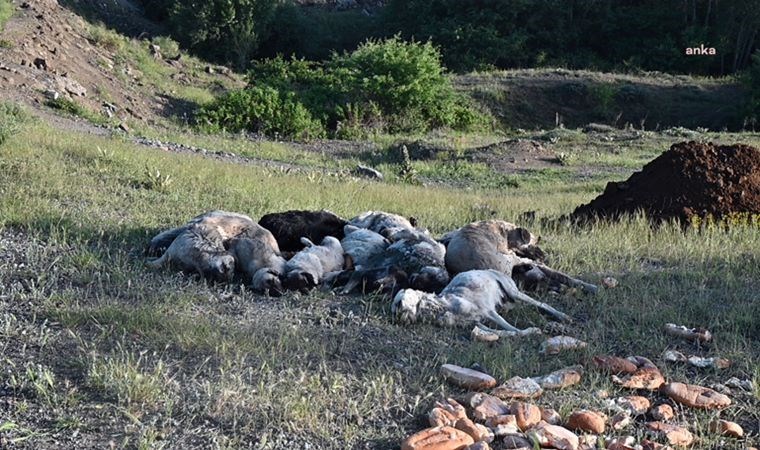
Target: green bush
x=405, y=80
x=263, y=110
x=752, y=81
x=383, y=86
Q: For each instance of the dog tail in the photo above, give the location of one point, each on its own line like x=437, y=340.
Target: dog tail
x=157, y=263
x=163, y=240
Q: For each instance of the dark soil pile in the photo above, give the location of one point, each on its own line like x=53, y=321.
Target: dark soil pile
x=690, y=179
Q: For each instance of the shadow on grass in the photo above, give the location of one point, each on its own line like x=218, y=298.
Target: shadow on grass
x=178, y=109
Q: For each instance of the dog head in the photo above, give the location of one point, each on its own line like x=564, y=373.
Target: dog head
x=406, y=304
x=520, y=237
x=220, y=268
x=267, y=280
x=430, y=279
x=300, y=281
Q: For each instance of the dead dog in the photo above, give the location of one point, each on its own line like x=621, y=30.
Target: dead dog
x=198, y=249
x=227, y=225
x=502, y=246
x=260, y=262
x=290, y=226
x=207, y=242
x=472, y=296
x=310, y=266
x=413, y=260
x=383, y=223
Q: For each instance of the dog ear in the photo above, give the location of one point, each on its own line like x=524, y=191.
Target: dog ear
x=524, y=235
x=413, y=221
x=348, y=262
x=274, y=287
x=310, y=280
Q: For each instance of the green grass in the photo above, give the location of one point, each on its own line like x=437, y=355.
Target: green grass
x=73, y=108
x=158, y=359
x=6, y=11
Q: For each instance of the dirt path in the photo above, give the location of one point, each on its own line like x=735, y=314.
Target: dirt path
x=83, y=126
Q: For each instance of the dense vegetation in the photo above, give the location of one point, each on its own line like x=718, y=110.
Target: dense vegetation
x=383, y=86
x=594, y=34
x=753, y=83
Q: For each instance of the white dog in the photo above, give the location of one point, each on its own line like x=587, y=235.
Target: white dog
x=309, y=266
x=361, y=245
x=471, y=296
x=381, y=222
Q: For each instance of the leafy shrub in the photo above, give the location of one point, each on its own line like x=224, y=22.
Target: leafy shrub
x=168, y=46
x=752, y=81
x=405, y=80
x=261, y=109
x=390, y=85
x=108, y=39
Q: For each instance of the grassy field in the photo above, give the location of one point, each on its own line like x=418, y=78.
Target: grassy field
x=98, y=351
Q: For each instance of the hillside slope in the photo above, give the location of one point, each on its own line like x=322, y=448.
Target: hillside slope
x=48, y=48
x=542, y=98
x=51, y=50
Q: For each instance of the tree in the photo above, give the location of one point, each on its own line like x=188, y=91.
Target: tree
x=225, y=30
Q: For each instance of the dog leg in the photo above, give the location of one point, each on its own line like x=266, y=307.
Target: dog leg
x=157, y=263
x=305, y=241
x=160, y=243
x=509, y=288
x=356, y=279
x=559, y=315
x=562, y=278
x=501, y=322
x=504, y=333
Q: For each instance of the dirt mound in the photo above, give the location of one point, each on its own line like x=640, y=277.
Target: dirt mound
x=689, y=179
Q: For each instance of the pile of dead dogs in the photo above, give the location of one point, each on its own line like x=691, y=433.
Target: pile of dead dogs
x=466, y=276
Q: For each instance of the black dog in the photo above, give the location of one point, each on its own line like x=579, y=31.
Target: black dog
x=289, y=227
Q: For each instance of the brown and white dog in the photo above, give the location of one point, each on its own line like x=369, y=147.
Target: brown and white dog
x=218, y=242
x=198, y=249
x=472, y=296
